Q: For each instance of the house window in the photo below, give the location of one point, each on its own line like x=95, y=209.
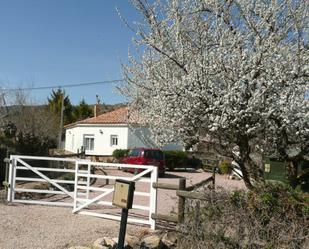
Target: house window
x=114, y=140
x=89, y=142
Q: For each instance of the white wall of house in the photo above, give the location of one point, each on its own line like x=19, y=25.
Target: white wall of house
x=99, y=139
x=102, y=138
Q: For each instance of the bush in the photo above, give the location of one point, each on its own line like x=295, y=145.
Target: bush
x=273, y=216
x=194, y=162
x=175, y=159
x=224, y=167
x=120, y=153
x=28, y=144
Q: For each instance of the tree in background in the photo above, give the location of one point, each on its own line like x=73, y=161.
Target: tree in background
x=82, y=111
x=36, y=120
x=29, y=144
x=234, y=70
x=55, y=104
x=27, y=128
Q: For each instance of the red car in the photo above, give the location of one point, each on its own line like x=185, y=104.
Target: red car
x=145, y=156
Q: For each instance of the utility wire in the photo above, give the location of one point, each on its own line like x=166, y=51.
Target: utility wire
x=67, y=86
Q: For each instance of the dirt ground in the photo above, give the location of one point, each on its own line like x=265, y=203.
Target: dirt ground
x=37, y=227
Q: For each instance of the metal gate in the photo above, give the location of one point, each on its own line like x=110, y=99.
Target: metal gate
x=78, y=191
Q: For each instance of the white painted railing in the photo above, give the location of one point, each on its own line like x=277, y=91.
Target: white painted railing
x=21, y=163
x=84, y=195
x=80, y=202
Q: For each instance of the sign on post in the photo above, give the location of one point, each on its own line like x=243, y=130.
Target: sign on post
x=123, y=198
x=123, y=194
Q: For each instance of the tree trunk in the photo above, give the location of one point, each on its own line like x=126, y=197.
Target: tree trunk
x=256, y=171
x=292, y=173
x=250, y=169
x=245, y=174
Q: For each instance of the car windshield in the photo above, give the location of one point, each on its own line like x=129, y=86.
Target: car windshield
x=153, y=154
x=134, y=152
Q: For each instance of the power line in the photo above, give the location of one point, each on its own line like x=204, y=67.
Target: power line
x=67, y=86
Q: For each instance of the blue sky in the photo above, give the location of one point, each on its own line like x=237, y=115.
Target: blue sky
x=51, y=42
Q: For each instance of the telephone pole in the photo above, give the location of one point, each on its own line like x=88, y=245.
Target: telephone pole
x=61, y=121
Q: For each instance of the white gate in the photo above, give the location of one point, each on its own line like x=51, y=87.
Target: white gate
x=78, y=192
x=20, y=163
x=81, y=202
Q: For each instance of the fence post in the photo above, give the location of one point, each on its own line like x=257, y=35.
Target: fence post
x=10, y=193
x=214, y=176
x=181, y=201
x=153, y=197
x=76, y=186
x=83, y=153
x=6, y=179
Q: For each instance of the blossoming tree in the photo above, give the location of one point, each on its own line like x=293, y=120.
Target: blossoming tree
x=234, y=70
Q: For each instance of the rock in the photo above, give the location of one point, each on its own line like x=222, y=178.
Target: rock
x=99, y=244
x=152, y=242
x=104, y=243
x=132, y=242
x=170, y=239
x=125, y=243
x=111, y=242
x=79, y=247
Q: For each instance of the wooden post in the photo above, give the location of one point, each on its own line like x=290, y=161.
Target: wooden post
x=181, y=201
x=181, y=207
x=214, y=176
x=197, y=220
x=7, y=168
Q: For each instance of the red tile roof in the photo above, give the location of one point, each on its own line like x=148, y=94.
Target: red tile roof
x=118, y=116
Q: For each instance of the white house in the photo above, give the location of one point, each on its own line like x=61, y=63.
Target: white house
x=102, y=134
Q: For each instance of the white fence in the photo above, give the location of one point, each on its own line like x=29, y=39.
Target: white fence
x=78, y=191
x=20, y=163
x=84, y=201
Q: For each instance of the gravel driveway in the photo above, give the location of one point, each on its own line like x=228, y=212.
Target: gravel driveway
x=38, y=227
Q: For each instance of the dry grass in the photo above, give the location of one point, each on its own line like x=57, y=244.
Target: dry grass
x=270, y=218
x=2, y=196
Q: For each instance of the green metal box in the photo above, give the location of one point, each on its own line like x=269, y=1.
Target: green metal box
x=275, y=170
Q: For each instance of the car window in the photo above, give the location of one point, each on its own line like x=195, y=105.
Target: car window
x=153, y=154
x=148, y=154
x=134, y=152
x=158, y=154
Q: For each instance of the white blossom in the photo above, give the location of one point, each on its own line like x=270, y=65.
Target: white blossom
x=236, y=70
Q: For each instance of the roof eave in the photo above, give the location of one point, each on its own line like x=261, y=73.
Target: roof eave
x=94, y=124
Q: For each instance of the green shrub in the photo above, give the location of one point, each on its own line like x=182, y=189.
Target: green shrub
x=194, y=162
x=175, y=159
x=68, y=176
x=120, y=153
x=224, y=167
x=29, y=144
